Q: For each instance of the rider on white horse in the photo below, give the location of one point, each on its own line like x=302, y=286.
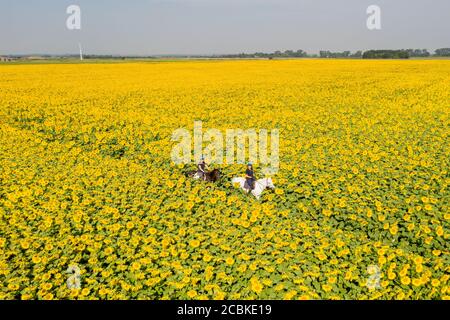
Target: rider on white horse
x=259, y=185
x=250, y=176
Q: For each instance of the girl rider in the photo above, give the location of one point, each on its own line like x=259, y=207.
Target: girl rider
x=201, y=167
x=250, y=176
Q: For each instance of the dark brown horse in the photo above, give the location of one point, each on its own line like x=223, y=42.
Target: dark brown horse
x=210, y=176
x=213, y=176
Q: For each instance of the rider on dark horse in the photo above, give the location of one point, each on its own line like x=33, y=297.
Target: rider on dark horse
x=201, y=168
x=250, y=176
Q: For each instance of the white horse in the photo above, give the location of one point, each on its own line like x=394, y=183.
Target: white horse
x=260, y=185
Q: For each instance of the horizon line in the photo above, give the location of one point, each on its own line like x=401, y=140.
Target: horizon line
x=431, y=51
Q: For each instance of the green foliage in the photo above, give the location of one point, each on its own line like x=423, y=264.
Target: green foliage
x=386, y=54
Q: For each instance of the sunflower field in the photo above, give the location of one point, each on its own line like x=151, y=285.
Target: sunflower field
x=360, y=209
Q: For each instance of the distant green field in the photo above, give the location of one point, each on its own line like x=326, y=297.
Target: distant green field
x=171, y=59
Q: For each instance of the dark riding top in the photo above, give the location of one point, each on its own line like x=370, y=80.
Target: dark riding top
x=250, y=181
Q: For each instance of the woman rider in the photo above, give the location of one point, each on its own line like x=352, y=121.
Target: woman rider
x=201, y=167
x=250, y=176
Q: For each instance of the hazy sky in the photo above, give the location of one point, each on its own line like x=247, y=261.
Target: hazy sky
x=147, y=27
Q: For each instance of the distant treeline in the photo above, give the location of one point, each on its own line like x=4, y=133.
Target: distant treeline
x=370, y=54
x=276, y=54
x=94, y=56
x=344, y=54
x=386, y=54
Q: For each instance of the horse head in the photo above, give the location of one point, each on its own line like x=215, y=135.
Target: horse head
x=270, y=184
x=215, y=174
